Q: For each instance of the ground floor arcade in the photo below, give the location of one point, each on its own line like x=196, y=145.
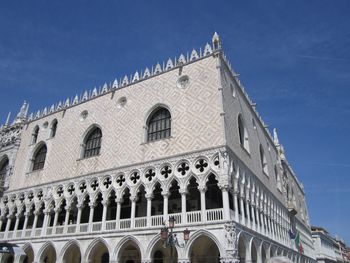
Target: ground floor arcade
x=217, y=244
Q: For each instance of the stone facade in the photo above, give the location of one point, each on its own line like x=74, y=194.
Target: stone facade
x=220, y=174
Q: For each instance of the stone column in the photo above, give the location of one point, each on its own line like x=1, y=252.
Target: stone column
x=91, y=215
x=183, y=193
x=26, y=216
x=80, y=208
x=66, y=219
x=253, y=216
x=202, y=190
x=225, y=202
x=36, y=213
x=133, y=210
x=242, y=210
x=8, y=224
x=104, y=213
x=119, y=201
x=149, y=209
x=46, y=222
x=18, y=216
x=235, y=200
x=165, y=205
x=57, y=211
x=247, y=204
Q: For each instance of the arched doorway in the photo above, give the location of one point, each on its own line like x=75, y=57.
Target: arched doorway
x=241, y=249
x=204, y=250
x=30, y=254
x=48, y=255
x=99, y=254
x=72, y=254
x=162, y=254
x=129, y=253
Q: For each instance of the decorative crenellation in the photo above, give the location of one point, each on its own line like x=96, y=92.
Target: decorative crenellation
x=138, y=76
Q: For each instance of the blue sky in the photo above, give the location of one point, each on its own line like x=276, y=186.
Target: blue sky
x=293, y=58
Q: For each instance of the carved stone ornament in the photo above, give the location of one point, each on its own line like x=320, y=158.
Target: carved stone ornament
x=183, y=82
x=9, y=136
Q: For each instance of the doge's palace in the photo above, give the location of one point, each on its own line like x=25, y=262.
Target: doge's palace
x=94, y=178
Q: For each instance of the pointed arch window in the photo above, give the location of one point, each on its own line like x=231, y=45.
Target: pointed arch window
x=39, y=158
x=263, y=161
x=35, y=134
x=92, y=143
x=159, y=125
x=4, y=165
x=53, y=128
x=243, y=134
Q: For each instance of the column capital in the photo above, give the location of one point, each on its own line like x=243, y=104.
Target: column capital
x=105, y=202
x=133, y=198
x=165, y=193
x=202, y=188
x=149, y=196
x=183, y=191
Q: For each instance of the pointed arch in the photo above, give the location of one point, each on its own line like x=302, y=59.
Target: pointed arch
x=71, y=243
x=158, y=124
x=35, y=134
x=123, y=243
x=92, y=141
x=53, y=128
x=243, y=133
x=95, y=245
x=28, y=249
x=39, y=157
x=4, y=167
x=198, y=234
x=48, y=247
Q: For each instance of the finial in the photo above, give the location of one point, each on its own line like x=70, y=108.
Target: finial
x=275, y=137
x=216, y=41
x=22, y=114
x=8, y=119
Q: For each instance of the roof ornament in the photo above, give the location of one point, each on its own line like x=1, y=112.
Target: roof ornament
x=94, y=93
x=136, y=77
x=147, y=73
x=169, y=64
x=275, y=137
x=59, y=106
x=115, y=84
x=181, y=60
x=158, y=69
x=125, y=81
x=104, y=88
x=67, y=103
x=85, y=96
x=216, y=41
x=44, y=112
x=194, y=55
x=76, y=100
x=207, y=50
x=22, y=114
x=8, y=119
x=37, y=115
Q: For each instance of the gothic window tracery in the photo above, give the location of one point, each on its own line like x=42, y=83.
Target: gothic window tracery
x=263, y=161
x=4, y=165
x=93, y=143
x=53, y=128
x=243, y=134
x=159, y=125
x=35, y=134
x=39, y=158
